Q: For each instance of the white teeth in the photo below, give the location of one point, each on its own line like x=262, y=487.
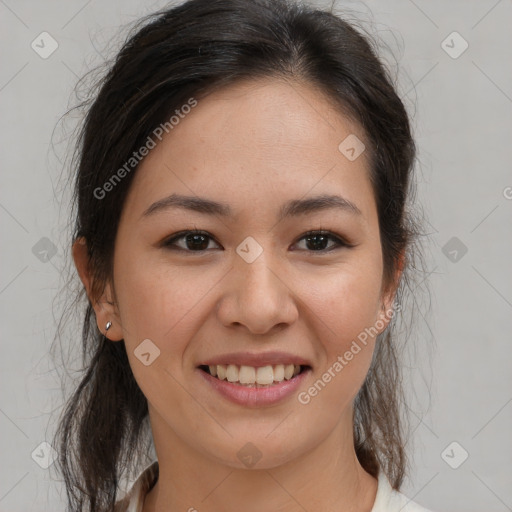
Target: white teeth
x=232, y=373
x=265, y=375
x=249, y=375
x=278, y=373
x=221, y=371
x=288, y=371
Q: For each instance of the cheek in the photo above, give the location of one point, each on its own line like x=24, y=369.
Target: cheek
x=156, y=304
x=161, y=302
x=346, y=300
x=150, y=299
x=345, y=312
x=344, y=305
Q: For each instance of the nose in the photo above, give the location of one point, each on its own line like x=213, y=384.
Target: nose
x=257, y=297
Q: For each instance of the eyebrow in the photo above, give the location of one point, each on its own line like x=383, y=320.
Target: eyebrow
x=292, y=208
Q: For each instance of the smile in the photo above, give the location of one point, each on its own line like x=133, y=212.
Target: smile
x=251, y=376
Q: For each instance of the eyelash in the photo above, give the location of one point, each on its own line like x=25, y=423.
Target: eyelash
x=340, y=242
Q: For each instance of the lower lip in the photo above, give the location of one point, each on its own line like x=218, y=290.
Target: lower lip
x=253, y=396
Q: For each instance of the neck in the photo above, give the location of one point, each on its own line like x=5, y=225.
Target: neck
x=328, y=477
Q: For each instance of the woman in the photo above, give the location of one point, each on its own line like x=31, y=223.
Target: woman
x=242, y=236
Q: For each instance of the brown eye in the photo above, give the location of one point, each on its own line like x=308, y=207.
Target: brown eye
x=318, y=241
x=190, y=241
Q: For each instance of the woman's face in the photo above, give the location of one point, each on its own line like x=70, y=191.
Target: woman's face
x=253, y=289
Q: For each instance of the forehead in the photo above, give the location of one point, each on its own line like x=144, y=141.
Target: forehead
x=258, y=139
x=267, y=116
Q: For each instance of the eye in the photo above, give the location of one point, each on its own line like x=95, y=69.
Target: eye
x=318, y=241
x=190, y=241
x=199, y=241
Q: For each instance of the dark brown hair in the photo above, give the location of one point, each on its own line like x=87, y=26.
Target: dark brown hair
x=188, y=51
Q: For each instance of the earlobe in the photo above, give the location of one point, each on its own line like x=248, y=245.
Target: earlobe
x=107, y=327
x=108, y=322
x=104, y=308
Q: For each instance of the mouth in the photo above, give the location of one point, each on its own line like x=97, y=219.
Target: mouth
x=252, y=376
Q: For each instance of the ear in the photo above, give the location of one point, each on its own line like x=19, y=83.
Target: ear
x=104, y=307
x=389, y=292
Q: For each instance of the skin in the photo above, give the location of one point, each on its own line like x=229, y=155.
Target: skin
x=253, y=145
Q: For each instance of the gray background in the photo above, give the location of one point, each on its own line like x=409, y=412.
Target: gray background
x=462, y=117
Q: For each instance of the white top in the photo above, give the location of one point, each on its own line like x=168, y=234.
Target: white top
x=387, y=499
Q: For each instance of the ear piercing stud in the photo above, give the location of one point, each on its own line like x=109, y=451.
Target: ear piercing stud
x=107, y=327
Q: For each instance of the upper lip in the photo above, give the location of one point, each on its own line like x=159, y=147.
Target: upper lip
x=256, y=359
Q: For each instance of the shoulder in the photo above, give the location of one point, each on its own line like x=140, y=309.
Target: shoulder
x=134, y=499
x=390, y=500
